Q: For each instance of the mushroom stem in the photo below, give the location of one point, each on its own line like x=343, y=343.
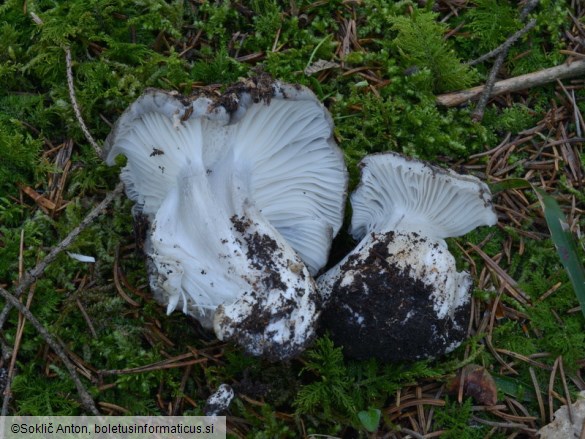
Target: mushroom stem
x=250, y=286
x=414, y=255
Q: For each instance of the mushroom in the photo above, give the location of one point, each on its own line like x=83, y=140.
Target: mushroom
x=398, y=295
x=243, y=193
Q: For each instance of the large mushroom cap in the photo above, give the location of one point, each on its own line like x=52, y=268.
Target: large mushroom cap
x=398, y=295
x=281, y=141
x=233, y=185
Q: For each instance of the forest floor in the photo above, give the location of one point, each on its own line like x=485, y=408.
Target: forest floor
x=387, y=72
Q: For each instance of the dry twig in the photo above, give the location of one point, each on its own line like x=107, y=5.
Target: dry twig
x=522, y=82
x=86, y=132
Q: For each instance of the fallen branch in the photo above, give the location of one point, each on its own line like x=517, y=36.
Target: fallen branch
x=86, y=399
x=517, y=83
x=488, y=89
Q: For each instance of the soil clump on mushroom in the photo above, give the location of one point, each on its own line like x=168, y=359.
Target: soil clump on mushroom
x=394, y=304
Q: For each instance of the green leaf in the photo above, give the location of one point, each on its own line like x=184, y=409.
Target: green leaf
x=370, y=419
x=565, y=244
x=515, y=388
x=509, y=183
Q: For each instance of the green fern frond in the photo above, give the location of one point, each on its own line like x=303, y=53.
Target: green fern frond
x=332, y=390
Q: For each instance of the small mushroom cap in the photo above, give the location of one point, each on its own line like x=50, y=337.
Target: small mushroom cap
x=398, y=295
x=402, y=194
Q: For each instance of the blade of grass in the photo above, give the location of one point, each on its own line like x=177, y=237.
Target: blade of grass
x=564, y=243
x=370, y=419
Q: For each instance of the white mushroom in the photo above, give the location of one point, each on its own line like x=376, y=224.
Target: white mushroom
x=398, y=294
x=234, y=187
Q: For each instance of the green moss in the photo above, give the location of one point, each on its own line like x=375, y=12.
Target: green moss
x=560, y=336
x=455, y=419
x=216, y=67
x=411, y=125
x=511, y=119
x=41, y=397
x=543, y=47
x=340, y=389
x=20, y=154
x=331, y=391
x=487, y=32
x=420, y=43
